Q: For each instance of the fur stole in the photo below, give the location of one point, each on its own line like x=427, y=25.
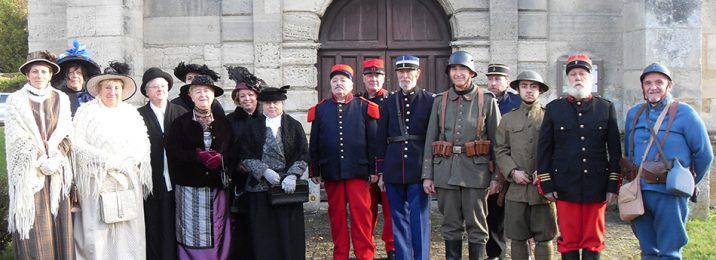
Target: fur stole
x=107, y=141
x=23, y=145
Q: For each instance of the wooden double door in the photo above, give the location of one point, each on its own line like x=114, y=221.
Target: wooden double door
x=355, y=30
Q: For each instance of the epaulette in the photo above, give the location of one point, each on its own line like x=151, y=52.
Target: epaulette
x=373, y=110
x=312, y=112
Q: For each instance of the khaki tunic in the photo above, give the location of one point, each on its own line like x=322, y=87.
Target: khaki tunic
x=516, y=149
x=461, y=117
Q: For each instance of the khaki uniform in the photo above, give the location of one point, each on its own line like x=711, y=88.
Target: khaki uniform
x=461, y=181
x=527, y=213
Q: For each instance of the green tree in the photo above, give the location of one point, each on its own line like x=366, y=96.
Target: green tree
x=13, y=31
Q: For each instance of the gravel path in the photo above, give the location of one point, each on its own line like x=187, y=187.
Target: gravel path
x=620, y=242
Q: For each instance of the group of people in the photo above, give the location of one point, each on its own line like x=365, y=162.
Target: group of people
x=92, y=177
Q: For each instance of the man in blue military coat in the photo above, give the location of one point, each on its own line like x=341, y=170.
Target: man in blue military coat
x=401, y=139
x=578, y=161
x=342, y=154
x=373, y=80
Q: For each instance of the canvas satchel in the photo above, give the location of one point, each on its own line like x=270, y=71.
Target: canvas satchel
x=119, y=202
x=630, y=202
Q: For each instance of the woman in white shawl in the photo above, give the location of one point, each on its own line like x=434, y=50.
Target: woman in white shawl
x=37, y=146
x=113, y=174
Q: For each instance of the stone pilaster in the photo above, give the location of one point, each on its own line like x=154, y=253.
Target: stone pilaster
x=46, y=25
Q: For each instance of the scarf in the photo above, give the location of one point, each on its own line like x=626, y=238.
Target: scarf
x=110, y=139
x=203, y=117
x=24, y=144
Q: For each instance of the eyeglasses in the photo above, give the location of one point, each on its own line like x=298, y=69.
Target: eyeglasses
x=158, y=87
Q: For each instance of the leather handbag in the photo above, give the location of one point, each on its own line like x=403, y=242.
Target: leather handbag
x=278, y=197
x=118, y=206
x=118, y=202
x=679, y=181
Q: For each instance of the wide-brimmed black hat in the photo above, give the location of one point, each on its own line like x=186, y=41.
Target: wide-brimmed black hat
x=116, y=70
x=76, y=55
x=182, y=69
x=273, y=94
x=153, y=73
x=203, y=80
x=46, y=57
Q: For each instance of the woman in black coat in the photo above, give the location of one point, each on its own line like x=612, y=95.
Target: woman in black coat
x=198, y=149
x=275, y=153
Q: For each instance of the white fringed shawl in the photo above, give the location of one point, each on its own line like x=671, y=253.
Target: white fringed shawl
x=23, y=143
x=109, y=139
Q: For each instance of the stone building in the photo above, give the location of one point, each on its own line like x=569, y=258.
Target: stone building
x=294, y=42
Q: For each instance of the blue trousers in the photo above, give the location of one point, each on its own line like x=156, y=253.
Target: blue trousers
x=662, y=229
x=410, y=209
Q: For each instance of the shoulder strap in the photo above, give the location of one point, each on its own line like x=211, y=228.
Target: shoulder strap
x=673, y=108
x=633, y=126
x=653, y=132
x=481, y=117
x=443, y=107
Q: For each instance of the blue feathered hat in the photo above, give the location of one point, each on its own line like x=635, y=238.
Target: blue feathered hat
x=77, y=54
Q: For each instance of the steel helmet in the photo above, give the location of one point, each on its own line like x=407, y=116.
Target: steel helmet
x=462, y=58
x=529, y=75
x=658, y=68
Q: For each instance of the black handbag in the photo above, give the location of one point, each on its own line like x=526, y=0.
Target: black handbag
x=278, y=197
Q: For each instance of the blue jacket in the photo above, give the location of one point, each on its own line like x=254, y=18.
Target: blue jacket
x=401, y=162
x=508, y=102
x=687, y=139
x=340, y=132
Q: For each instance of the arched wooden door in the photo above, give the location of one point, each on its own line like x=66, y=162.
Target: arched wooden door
x=354, y=30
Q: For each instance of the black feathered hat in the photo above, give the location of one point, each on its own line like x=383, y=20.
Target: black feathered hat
x=273, y=94
x=182, y=69
x=244, y=80
x=153, y=73
x=116, y=70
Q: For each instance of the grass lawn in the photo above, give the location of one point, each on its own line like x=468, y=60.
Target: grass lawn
x=701, y=238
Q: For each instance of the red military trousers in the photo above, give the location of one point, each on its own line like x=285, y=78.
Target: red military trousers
x=581, y=225
x=355, y=193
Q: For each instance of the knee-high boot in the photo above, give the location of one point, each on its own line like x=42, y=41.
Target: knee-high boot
x=453, y=249
x=477, y=251
x=590, y=255
x=571, y=255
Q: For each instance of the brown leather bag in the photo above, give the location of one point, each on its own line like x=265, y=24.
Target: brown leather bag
x=442, y=148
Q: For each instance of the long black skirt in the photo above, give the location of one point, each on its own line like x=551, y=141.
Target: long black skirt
x=277, y=232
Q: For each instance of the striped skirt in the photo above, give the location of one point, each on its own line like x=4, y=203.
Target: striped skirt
x=50, y=236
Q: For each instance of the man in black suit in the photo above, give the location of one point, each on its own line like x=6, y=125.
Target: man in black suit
x=159, y=207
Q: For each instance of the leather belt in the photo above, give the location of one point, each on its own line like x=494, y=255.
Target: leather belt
x=394, y=139
x=650, y=177
x=458, y=149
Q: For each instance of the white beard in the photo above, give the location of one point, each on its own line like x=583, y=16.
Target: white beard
x=580, y=93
